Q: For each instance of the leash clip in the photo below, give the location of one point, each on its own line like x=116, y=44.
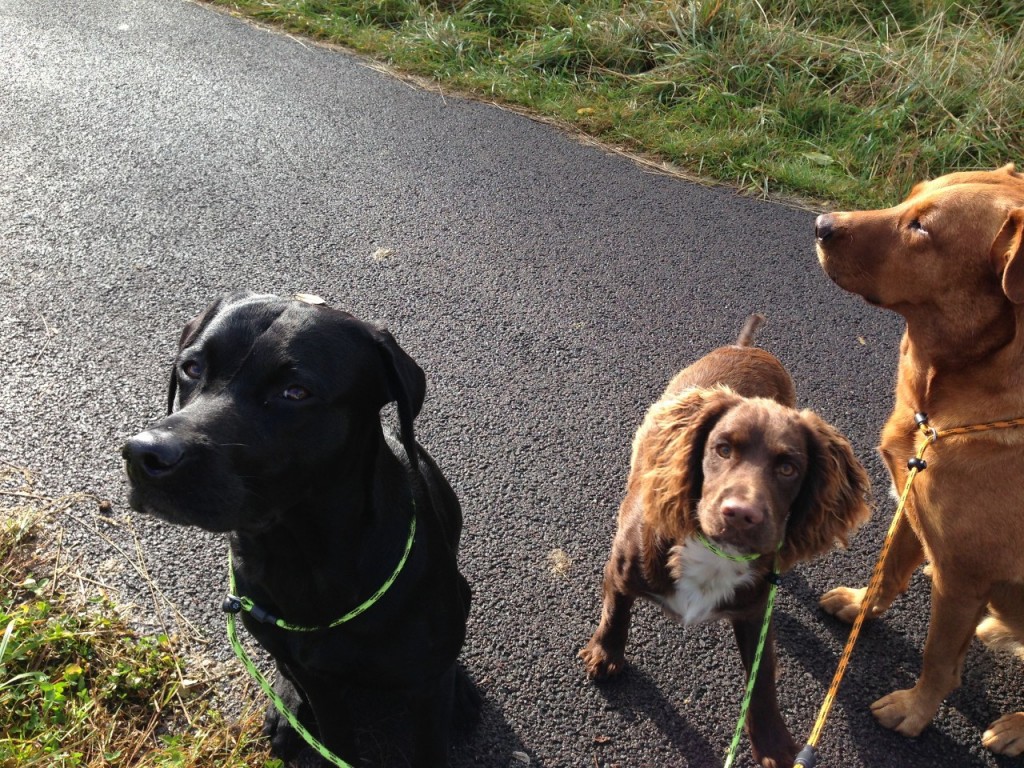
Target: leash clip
x=808, y=757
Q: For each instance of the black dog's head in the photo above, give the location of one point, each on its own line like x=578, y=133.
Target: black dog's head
x=274, y=394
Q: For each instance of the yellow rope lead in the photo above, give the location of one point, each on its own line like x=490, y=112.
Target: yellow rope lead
x=866, y=602
x=808, y=755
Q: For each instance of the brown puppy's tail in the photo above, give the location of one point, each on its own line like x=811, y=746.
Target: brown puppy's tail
x=750, y=327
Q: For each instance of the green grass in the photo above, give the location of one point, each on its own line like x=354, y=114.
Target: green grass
x=850, y=103
x=78, y=687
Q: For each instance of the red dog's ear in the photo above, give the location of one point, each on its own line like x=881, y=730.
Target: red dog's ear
x=668, y=455
x=833, y=501
x=1007, y=255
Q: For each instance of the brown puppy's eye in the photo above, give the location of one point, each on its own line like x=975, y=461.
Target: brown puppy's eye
x=724, y=450
x=295, y=392
x=192, y=369
x=786, y=469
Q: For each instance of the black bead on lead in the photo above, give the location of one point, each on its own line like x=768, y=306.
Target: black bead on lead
x=231, y=604
x=919, y=464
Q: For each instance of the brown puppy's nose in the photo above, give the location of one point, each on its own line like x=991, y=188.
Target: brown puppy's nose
x=824, y=226
x=739, y=514
x=154, y=453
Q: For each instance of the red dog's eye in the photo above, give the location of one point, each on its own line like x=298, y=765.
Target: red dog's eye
x=786, y=469
x=724, y=450
x=295, y=392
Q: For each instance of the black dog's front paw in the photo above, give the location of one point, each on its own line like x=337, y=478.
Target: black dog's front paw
x=285, y=741
x=287, y=744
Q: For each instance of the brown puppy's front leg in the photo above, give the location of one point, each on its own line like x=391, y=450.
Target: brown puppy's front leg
x=905, y=554
x=770, y=740
x=605, y=655
x=955, y=614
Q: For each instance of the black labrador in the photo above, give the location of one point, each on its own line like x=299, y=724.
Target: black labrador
x=278, y=440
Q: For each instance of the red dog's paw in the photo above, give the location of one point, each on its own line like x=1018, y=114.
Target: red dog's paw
x=845, y=603
x=906, y=712
x=1006, y=735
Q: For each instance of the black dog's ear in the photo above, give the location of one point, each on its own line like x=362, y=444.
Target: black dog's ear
x=188, y=335
x=407, y=386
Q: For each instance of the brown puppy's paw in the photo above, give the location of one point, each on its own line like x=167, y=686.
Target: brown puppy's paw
x=1006, y=735
x=904, y=712
x=773, y=748
x=599, y=663
x=844, y=603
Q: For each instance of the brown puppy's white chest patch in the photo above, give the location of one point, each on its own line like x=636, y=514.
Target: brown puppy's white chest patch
x=703, y=581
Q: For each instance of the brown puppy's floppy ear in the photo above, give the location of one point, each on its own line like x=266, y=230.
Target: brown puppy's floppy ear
x=188, y=335
x=669, y=457
x=833, y=501
x=1007, y=255
x=407, y=386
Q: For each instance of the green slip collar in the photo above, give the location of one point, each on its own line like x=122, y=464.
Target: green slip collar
x=234, y=603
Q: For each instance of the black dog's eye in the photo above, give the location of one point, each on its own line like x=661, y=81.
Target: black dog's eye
x=295, y=392
x=724, y=450
x=192, y=369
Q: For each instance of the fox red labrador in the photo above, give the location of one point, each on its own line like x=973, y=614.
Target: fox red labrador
x=950, y=260
x=723, y=458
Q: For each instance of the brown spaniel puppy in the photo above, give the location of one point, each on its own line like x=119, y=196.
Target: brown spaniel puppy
x=724, y=459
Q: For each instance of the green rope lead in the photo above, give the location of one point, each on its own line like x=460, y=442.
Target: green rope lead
x=774, y=579
x=324, y=752
x=234, y=604
x=712, y=547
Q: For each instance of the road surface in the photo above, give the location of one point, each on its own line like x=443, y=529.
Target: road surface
x=156, y=153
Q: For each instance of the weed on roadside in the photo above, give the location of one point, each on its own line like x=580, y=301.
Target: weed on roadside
x=78, y=687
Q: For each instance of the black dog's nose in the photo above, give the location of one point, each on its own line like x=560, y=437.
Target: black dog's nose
x=824, y=226
x=154, y=453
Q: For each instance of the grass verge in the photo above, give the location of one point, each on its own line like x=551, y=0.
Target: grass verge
x=78, y=687
x=850, y=103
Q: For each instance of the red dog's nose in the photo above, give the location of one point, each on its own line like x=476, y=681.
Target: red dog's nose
x=739, y=514
x=824, y=227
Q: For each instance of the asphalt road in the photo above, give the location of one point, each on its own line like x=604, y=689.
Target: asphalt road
x=156, y=153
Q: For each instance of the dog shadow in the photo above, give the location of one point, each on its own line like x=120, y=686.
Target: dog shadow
x=636, y=695
x=489, y=741
x=884, y=659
